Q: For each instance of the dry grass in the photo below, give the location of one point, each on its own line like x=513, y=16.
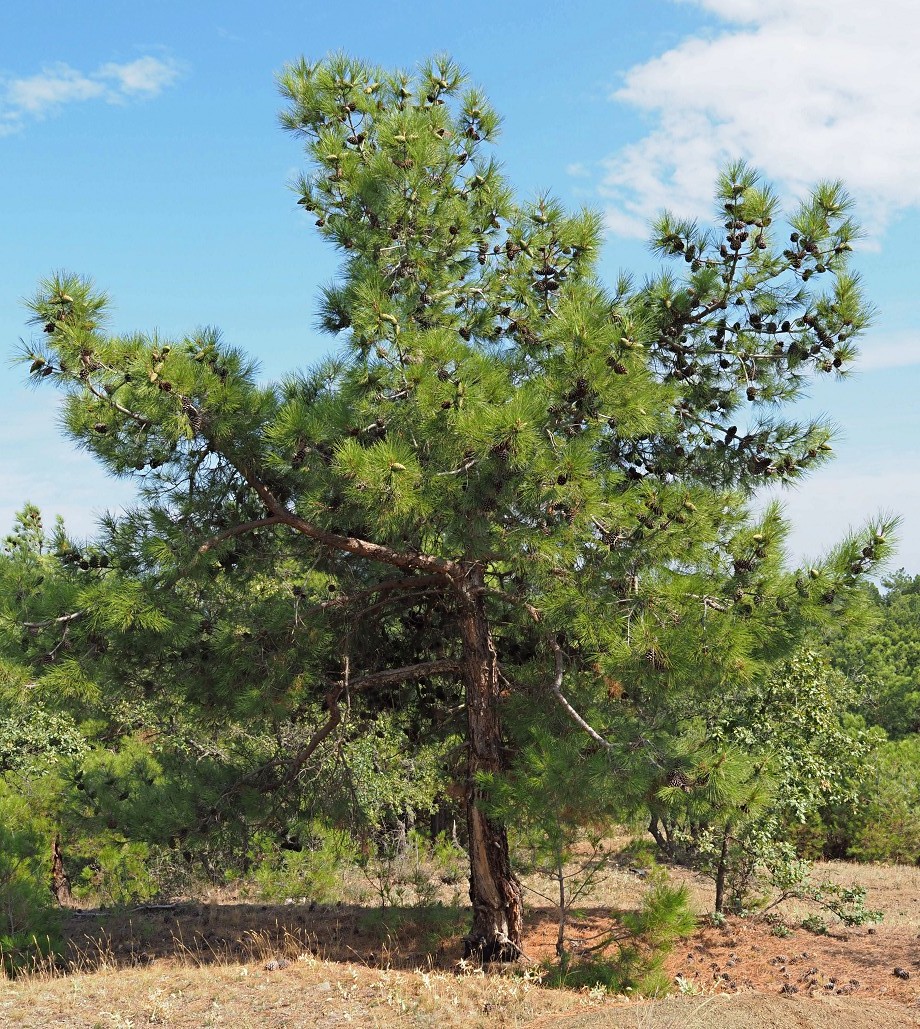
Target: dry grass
x=240, y=964
x=309, y=991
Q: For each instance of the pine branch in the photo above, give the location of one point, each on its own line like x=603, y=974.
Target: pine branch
x=239, y=530
x=141, y=420
x=363, y=682
x=403, y=582
x=335, y=717
x=439, y=666
x=556, y=689
x=352, y=544
x=75, y=616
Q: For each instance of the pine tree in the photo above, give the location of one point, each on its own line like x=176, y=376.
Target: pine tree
x=512, y=478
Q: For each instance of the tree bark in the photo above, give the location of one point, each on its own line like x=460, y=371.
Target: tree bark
x=60, y=884
x=496, y=933
x=721, y=870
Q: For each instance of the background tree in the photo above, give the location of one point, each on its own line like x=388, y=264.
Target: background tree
x=880, y=666
x=533, y=486
x=130, y=696
x=884, y=661
x=750, y=772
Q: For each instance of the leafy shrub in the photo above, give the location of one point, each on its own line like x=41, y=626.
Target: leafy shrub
x=846, y=903
x=789, y=752
x=119, y=874
x=815, y=924
x=33, y=738
x=314, y=871
x=29, y=920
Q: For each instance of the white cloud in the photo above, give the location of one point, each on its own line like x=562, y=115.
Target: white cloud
x=577, y=170
x=804, y=89
x=38, y=95
x=56, y=85
x=845, y=497
x=146, y=75
x=888, y=352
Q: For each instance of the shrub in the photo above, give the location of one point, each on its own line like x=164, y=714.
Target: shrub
x=313, y=871
x=119, y=874
x=632, y=959
x=30, y=926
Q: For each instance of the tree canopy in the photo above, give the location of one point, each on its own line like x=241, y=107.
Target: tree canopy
x=516, y=501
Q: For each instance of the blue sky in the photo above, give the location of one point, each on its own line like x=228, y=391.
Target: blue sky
x=139, y=145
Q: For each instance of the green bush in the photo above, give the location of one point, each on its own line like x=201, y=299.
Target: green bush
x=29, y=919
x=314, y=871
x=118, y=875
x=815, y=924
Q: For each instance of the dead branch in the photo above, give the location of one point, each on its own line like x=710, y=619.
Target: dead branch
x=556, y=689
x=75, y=616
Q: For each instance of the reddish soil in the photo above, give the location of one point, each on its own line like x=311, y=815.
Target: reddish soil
x=743, y=956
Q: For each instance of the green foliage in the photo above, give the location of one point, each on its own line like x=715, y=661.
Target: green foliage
x=118, y=875
x=883, y=661
x=848, y=903
x=314, y=870
x=559, y=806
x=780, y=753
x=794, y=879
x=884, y=823
x=32, y=738
x=633, y=959
x=389, y=776
x=814, y=924
x=407, y=868
x=664, y=916
x=29, y=923
x=639, y=853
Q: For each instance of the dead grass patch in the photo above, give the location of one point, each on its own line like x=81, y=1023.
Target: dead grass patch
x=227, y=962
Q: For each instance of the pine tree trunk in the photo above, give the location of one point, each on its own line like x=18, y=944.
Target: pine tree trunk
x=721, y=870
x=60, y=884
x=495, y=892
